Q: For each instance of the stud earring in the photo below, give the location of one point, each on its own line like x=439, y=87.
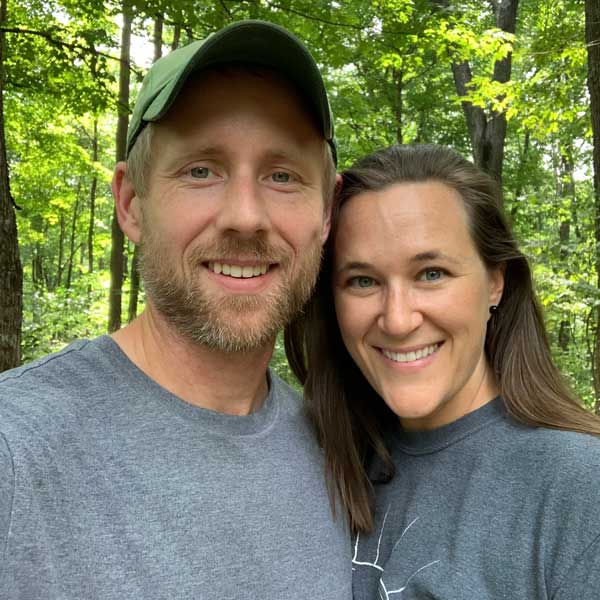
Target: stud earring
x=494, y=309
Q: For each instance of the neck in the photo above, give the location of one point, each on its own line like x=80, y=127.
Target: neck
x=231, y=383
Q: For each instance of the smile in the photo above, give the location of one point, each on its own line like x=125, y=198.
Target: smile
x=238, y=271
x=404, y=357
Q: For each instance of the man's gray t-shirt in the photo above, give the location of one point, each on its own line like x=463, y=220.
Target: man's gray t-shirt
x=485, y=509
x=111, y=487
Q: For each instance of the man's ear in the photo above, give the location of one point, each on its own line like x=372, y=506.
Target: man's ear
x=126, y=203
x=328, y=210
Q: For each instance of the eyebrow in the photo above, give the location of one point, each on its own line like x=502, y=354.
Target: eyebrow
x=418, y=258
x=353, y=266
x=433, y=255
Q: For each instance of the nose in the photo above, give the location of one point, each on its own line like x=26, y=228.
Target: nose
x=243, y=209
x=400, y=314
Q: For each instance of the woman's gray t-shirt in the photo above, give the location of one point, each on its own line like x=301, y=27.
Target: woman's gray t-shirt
x=485, y=509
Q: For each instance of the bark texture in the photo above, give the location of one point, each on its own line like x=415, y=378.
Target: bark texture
x=592, y=38
x=11, y=271
x=488, y=131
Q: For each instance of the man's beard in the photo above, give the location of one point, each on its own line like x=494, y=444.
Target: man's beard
x=227, y=322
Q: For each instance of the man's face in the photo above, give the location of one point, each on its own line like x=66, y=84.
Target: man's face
x=234, y=221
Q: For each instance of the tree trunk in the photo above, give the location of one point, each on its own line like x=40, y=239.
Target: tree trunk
x=11, y=271
x=592, y=38
x=566, y=192
x=521, y=174
x=72, y=249
x=158, y=36
x=176, y=36
x=61, y=252
x=117, y=238
x=93, y=191
x=398, y=79
x=488, y=132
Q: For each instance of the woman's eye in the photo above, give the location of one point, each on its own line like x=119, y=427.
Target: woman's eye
x=281, y=177
x=200, y=172
x=431, y=275
x=361, y=282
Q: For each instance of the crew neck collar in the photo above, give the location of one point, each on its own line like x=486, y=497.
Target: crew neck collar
x=255, y=423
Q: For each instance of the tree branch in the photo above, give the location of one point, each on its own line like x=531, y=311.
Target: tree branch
x=89, y=49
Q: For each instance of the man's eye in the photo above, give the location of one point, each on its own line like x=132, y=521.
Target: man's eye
x=200, y=172
x=431, y=275
x=361, y=282
x=281, y=177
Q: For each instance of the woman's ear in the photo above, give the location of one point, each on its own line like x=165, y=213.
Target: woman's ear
x=126, y=203
x=496, y=277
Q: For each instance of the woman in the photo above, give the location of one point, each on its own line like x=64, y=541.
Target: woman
x=430, y=382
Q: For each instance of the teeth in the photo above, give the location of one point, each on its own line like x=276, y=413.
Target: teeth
x=238, y=271
x=403, y=357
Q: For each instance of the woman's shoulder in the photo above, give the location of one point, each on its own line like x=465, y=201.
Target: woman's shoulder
x=558, y=463
x=558, y=443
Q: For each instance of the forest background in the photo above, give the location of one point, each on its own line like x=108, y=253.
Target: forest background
x=513, y=84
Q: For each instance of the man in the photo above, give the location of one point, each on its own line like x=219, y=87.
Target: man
x=165, y=461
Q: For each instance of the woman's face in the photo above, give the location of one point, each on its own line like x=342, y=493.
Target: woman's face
x=412, y=298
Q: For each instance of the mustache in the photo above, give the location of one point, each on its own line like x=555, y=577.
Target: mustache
x=232, y=248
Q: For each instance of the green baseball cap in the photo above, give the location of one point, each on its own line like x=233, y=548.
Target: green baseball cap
x=249, y=41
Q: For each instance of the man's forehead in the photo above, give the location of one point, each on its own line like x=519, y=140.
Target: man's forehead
x=249, y=77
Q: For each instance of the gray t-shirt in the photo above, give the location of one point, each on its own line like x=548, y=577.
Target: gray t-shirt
x=485, y=509
x=111, y=487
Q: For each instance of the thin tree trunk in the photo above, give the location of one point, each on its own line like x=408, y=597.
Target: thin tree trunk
x=566, y=192
x=72, y=241
x=93, y=192
x=11, y=271
x=523, y=158
x=158, y=36
x=176, y=36
x=592, y=38
x=117, y=249
x=487, y=132
x=398, y=78
x=61, y=252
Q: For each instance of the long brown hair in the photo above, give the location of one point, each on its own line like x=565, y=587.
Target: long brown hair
x=349, y=417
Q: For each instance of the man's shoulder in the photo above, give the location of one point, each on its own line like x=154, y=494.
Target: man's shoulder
x=53, y=384
x=80, y=358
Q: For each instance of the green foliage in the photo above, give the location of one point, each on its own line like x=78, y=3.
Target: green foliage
x=280, y=365
x=53, y=319
x=387, y=64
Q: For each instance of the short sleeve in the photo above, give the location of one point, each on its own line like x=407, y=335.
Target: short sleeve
x=7, y=486
x=582, y=582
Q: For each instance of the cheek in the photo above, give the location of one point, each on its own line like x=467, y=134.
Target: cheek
x=467, y=311
x=353, y=318
x=300, y=234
